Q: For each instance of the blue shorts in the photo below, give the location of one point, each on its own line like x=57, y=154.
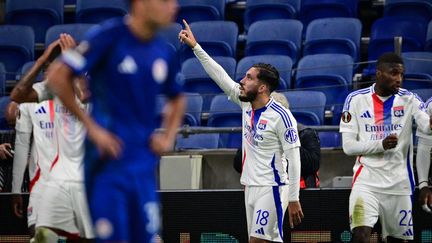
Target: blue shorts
x=123, y=203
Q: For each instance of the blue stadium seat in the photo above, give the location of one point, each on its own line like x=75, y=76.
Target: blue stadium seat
x=415, y=8
x=2, y=79
x=333, y=35
x=25, y=68
x=307, y=107
x=16, y=47
x=4, y=101
x=218, y=38
x=77, y=31
x=198, y=10
x=170, y=34
x=282, y=63
x=69, y=2
x=330, y=139
x=193, y=109
x=412, y=30
x=313, y=9
x=96, y=11
x=424, y=94
x=197, y=80
x=275, y=37
x=418, y=70
x=329, y=73
x=197, y=141
x=257, y=10
x=224, y=113
x=39, y=15
x=428, y=45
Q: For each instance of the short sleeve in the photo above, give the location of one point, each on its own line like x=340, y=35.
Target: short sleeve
x=286, y=129
x=23, y=121
x=42, y=90
x=348, y=121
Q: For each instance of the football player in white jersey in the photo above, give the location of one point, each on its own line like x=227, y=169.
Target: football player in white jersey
x=36, y=118
x=269, y=130
x=64, y=210
x=376, y=125
x=423, y=161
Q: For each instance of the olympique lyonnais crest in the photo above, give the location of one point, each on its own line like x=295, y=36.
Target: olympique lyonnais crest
x=398, y=111
x=262, y=124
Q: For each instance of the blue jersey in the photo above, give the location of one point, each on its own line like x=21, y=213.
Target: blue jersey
x=126, y=75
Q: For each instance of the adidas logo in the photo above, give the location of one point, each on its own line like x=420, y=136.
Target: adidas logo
x=409, y=232
x=366, y=114
x=41, y=110
x=260, y=231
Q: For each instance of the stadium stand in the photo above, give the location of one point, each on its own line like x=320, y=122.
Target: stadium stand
x=77, y=31
x=275, y=37
x=198, y=10
x=307, y=107
x=282, y=63
x=25, y=68
x=96, y=11
x=424, y=94
x=170, y=34
x=2, y=79
x=197, y=141
x=39, y=15
x=428, y=45
x=418, y=70
x=415, y=8
x=257, y=10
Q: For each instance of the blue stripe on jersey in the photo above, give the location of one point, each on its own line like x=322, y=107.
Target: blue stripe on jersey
x=355, y=93
x=402, y=92
x=410, y=174
x=279, y=213
x=428, y=102
x=387, y=110
x=282, y=112
x=276, y=173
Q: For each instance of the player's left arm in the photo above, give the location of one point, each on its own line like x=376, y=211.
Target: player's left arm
x=422, y=119
x=289, y=138
x=423, y=164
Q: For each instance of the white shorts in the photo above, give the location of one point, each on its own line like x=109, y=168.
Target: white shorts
x=34, y=201
x=65, y=207
x=394, y=212
x=265, y=210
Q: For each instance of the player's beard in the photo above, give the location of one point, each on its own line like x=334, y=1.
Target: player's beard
x=248, y=96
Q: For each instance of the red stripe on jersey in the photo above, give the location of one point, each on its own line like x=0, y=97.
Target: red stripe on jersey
x=54, y=161
x=357, y=173
x=35, y=178
x=244, y=159
x=51, y=110
x=378, y=109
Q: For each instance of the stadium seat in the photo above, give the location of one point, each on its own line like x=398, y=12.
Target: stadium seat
x=329, y=73
x=225, y=113
x=96, y=11
x=2, y=79
x=16, y=48
x=218, y=38
x=77, y=31
x=275, y=37
x=418, y=70
x=333, y=35
x=170, y=34
x=424, y=94
x=198, y=10
x=282, y=63
x=4, y=101
x=197, y=141
x=330, y=139
x=313, y=9
x=307, y=107
x=39, y=15
x=193, y=109
x=257, y=10
x=198, y=81
x=412, y=30
x=25, y=68
x=415, y=8
x=428, y=45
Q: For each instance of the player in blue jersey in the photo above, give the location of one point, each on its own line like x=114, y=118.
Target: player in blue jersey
x=128, y=67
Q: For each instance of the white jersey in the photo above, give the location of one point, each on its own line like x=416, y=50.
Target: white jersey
x=372, y=119
x=267, y=132
x=39, y=119
x=420, y=134
x=70, y=134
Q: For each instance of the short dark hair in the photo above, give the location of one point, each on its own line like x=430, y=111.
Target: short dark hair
x=388, y=58
x=268, y=74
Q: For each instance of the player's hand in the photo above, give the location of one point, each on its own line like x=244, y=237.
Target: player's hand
x=66, y=42
x=17, y=204
x=107, y=143
x=425, y=199
x=47, y=53
x=295, y=213
x=5, y=149
x=186, y=36
x=160, y=144
x=390, y=142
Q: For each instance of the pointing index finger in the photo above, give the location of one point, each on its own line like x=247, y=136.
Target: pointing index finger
x=186, y=25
